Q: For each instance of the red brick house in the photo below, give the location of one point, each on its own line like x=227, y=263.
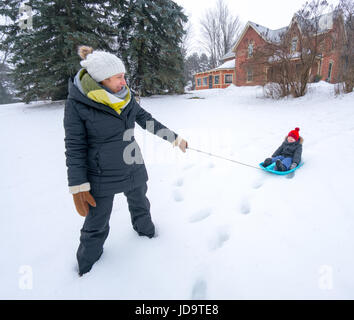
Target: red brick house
x=331, y=30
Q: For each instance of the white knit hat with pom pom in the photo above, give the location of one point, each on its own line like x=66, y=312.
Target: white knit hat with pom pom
x=100, y=64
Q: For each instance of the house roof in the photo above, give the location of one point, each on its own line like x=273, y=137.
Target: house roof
x=325, y=23
x=228, y=65
x=268, y=34
x=264, y=32
x=228, y=55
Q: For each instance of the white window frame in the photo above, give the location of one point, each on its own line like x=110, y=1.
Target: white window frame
x=250, y=46
x=266, y=70
x=319, y=70
x=205, y=81
x=330, y=74
x=333, y=42
x=248, y=70
x=199, y=82
x=292, y=49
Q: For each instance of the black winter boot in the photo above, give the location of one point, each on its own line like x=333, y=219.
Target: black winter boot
x=88, y=269
x=267, y=162
x=279, y=166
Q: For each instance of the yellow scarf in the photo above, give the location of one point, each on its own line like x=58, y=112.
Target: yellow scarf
x=96, y=93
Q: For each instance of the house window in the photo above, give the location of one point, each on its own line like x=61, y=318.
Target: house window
x=228, y=78
x=266, y=72
x=333, y=42
x=216, y=79
x=250, y=50
x=330, y=67
x=199, y=82
x=319, y=67
x=249, y=75
x=293, y=44
x=205, y=81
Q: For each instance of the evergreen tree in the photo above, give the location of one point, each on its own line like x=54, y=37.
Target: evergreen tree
x=194, y=64
x=46, y=55
x=146, y=34
x=205, y=63
x=191, y=66
x=6, y=85
x=150, y=35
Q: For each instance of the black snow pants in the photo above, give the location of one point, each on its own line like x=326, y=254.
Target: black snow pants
x=96, y=226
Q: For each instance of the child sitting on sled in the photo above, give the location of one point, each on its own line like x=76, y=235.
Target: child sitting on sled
x=288, y=155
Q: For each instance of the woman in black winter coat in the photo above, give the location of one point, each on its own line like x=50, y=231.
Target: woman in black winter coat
x=102, y=155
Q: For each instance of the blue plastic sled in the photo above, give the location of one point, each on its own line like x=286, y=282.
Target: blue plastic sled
x=270, y=169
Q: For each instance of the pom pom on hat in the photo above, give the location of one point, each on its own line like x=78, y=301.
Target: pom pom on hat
x=294, y=134
x=83, y=51
x=100, y=64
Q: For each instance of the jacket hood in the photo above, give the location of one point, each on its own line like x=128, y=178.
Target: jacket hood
x=75, y=93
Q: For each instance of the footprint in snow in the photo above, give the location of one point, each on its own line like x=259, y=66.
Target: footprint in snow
x=245, y=206
x=179, y=182
x=257, y=183
x=211, y=165
x=199, y=290
x=177, y=196
x=188, y=166
x=220, y=238
x=200, y=215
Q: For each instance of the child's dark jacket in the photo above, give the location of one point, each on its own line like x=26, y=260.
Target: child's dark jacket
x=290, y=150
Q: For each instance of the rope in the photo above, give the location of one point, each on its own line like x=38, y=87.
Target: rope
x=210, y=154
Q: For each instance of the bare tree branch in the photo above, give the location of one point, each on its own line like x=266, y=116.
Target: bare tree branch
x=220, y=30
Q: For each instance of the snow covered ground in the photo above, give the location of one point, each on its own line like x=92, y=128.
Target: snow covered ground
x=226, y=231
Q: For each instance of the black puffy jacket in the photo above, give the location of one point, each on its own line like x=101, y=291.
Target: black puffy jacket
x=292, y=150
x=95, y=146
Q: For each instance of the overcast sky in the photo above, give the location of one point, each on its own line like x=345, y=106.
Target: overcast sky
x=273, y=14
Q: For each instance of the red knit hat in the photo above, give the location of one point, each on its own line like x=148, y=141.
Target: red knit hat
x=294, y=134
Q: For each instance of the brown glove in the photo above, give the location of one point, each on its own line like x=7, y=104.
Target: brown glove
x=82, y=200
x=181, y=143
